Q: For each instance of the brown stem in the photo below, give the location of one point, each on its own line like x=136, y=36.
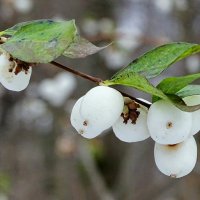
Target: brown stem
x=95, y=80
x=78, y=73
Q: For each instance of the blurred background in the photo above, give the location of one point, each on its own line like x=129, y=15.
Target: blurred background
x=41, y=155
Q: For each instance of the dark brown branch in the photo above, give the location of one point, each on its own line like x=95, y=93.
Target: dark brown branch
x=78, y=73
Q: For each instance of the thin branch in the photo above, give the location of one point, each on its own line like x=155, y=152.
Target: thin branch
x=95, y=177
x=95, y=80
x=78, y=73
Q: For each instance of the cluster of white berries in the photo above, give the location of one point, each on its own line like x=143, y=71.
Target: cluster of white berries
x=175, y=150
x=172, y=130
x=13, y=75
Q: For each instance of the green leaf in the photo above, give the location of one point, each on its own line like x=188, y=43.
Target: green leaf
x=12, y=30
x=41, y=41
x=136, y=81
x=179, y=103
x=172, y=85
x=139, y=82
x=189, y=90
x=81, y=48
x=152, y=63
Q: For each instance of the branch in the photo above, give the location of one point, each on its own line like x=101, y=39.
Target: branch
x=78, y=73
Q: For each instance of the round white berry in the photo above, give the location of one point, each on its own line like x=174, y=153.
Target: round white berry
x=11, y=80
x=83, y=127
x=130, y=132
x=176, y=160
x=192, y=101
x=102, y=106
x=167, y=124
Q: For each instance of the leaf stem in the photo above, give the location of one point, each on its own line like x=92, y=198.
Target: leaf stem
x=95, y=80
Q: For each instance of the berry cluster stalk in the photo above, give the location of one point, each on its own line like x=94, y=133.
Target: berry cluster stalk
x=95, y=80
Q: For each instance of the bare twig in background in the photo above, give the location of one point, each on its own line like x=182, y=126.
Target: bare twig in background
x=96, y=179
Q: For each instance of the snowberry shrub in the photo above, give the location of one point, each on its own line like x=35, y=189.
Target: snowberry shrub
x=42, y=41
x=176, y=160
x=167, y=124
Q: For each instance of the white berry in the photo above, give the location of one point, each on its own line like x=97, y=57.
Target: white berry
x=192, y=101
x=102, y=106
x=131, y=132
x=167, y=124
x=85, y=128
x=8, y=78
x=176, y=160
